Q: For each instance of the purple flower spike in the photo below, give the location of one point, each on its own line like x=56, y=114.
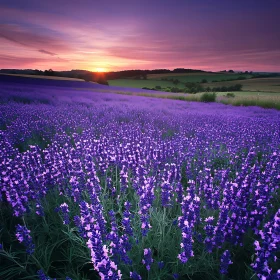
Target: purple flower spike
x=64, y=210
x=225, y=262
x=42, y=275
x=147, y=261
x=23, y=236
x=160, y=265
x=135, y=276
x=126, y=221
x=39, y=209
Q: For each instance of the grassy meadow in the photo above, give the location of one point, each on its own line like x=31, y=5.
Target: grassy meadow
x=263, y=99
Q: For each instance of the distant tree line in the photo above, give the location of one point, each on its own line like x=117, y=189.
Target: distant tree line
x=237, y=87
x=232, y=79
x=265, y=75
x=142, y=74
x=94, y=76
x=88, y=76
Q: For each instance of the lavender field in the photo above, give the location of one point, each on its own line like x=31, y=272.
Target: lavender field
x=97, y=185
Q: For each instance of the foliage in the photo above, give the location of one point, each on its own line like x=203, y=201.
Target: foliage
x=208, y=97
x=176, y=82
x=230, y=94
x=102, y=81
x=237, y=87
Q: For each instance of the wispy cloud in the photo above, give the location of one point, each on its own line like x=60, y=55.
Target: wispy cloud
x=29, y=38
x=46, y=52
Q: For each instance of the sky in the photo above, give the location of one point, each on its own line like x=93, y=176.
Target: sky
x=113, y=35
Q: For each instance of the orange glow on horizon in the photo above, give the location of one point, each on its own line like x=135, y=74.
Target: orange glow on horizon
x=100, y=70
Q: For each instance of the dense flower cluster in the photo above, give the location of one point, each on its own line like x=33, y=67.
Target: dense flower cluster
x=90, y=229
x=267, y=249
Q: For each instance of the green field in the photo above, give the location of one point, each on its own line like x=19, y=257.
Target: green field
x=166, y=80
x=198, y=77
x=142, y=83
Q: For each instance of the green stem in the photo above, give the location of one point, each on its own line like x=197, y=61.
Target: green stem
x=24, y=221
x=8, y=255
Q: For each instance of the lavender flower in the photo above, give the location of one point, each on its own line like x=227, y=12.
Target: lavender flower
x=186, y=243
x=147, y=197
x=135, y=276
x=209, y=230
x=166, y=194
x=225, y=262
x=39, y=209
x=42, y=275
x=23, y=236
x=160, y=265
x=190, y=206
x=114, y=238
x=148, y=260
x=126, y=222
x=64, y=210
x=90, y=229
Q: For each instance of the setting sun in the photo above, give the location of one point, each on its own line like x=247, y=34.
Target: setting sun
x=100, y=69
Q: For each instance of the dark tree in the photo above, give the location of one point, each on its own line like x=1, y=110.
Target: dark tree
x=176, y=82
x=144, y=76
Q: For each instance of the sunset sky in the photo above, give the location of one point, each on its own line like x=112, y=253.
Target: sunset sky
x=116, y=35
